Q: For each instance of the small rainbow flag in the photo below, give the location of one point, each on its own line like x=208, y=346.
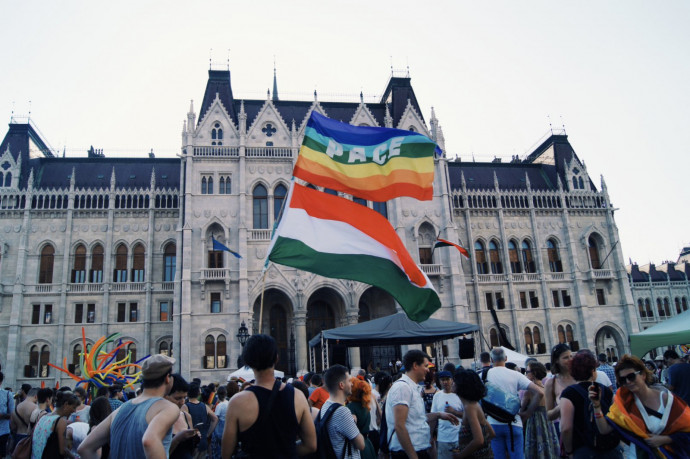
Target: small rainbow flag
x=372, y=163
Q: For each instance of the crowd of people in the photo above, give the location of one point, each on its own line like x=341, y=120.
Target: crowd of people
x=575, y=406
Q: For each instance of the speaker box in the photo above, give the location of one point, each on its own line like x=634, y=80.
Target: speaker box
x=466, y=348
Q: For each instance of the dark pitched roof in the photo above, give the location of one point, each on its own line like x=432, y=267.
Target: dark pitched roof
x=96, y=172
x=511, y=176
x=397, y=93
x=556, y=151
x=674, y=274
x=218, y=83
x=23, y=139
x=657, y=276
x=638, y=276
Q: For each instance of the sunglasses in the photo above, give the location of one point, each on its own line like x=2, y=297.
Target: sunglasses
x=630, y=377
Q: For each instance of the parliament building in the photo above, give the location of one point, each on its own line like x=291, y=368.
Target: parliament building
x=125, y=245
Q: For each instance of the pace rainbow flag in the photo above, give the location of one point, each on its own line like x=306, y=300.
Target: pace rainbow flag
x=335, y=237
x=372, y=163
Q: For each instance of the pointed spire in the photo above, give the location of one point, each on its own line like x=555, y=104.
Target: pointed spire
x=275, y=84
x=316, y=97
x=112, y=179
x=268, y=94
x=243, y=118
x=559, y=183
x=30, y=181
x=433, y=122
x=462, y=180
x=603, y=184
x=361, y=97
x=153, y=178
x=388, y=119
x=72, y=180
x=527, y=182
x=191, y=106
x=495, y=181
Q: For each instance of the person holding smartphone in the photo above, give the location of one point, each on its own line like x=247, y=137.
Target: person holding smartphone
x=653, y=418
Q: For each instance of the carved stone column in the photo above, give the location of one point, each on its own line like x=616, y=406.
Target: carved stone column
x=301, y=350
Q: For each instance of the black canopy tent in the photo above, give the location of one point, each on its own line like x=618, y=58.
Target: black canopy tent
x=393, y=329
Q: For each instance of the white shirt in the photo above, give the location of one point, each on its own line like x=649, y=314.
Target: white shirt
x=407, y=393
x=447, y=432
x=603, y=379
x=375, y=399
x=509, y=381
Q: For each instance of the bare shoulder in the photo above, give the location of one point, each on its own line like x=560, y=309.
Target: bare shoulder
x=244, y=399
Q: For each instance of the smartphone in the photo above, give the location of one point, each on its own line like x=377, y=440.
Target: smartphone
x=596, y=389
x=199, y=425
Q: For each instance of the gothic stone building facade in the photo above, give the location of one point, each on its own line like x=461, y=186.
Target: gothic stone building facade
x=125, y=245
x=660, y=292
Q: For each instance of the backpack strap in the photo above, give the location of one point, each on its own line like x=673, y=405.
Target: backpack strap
x=19, y=416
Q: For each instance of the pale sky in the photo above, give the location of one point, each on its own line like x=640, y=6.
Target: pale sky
x=120, y=76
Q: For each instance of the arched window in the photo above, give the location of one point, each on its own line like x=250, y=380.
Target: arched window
x=79, y=268
x=39, y=356
x=685, y=304
x=210, y=352
x=667, y=307
x=515, y=266
x=76, y=357
x=575, y=187
x=221, y=185
x=594, y=252
x=494, y=258
x=260, y=198
x=569, y=333
x=493, y=337
x=97, y=264
x=8, y=179
x=561, y=334
x=641, y=309
x=132, y=349
x=659, y=308
x=581, y=183
x=221, y=352
x=380, y=207
x=209, y=182
x=648, y=307
x=677, y=302
x=536, y=338
x=163, y=348
x=529, y=345
x=555, y=264
x=204, y=186
x=138, y=263
x=217, y=134
x=120, y=271
x=169, y=262
x=527, y=259
x=480, y=257
x=278, y=201
x=45, y=275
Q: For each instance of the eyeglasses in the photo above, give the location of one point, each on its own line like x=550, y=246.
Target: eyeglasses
x=630, y=377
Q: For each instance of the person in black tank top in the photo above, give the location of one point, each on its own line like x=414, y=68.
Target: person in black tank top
x=203, y=419
x=267, y=417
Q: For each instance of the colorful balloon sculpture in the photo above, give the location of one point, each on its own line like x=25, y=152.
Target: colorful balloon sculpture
x=100, y=368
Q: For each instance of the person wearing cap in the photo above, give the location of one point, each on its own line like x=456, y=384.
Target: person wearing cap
x=141, y=427
x=446, y=401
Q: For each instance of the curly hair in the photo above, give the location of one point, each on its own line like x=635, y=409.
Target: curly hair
x=583, y=365
x=628, y=362
x=469, y=386
x=361, y=392
x=538, y=369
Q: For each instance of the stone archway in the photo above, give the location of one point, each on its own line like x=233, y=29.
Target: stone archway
x=373, y=304
x=609, y=341
x=324, y=310
x=277, y=322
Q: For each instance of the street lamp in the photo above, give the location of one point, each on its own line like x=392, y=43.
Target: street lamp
x=242, y=337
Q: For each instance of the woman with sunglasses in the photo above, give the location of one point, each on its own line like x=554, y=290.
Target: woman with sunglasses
x=649, y=418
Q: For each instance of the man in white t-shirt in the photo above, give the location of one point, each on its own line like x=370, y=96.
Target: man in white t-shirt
x=509, y=441
x=449, y=402
x=406, y=417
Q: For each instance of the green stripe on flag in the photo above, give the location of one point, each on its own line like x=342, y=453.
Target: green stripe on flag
x=419, y=303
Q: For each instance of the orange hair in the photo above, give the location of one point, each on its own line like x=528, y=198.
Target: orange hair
x=361, y=392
